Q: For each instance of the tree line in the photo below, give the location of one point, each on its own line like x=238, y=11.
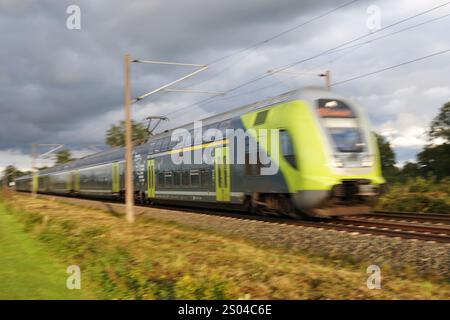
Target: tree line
x=115, y=137
x=432, y=161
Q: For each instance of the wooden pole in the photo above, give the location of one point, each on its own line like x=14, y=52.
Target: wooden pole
x=129, y=187
x=328, y=79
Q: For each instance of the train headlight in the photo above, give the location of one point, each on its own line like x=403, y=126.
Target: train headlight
x=337, y=162
x=367, y=161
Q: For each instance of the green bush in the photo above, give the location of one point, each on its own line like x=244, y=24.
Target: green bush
x=418, y=195
x=420, y=184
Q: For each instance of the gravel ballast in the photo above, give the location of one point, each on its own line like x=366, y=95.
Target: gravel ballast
x=424, y=256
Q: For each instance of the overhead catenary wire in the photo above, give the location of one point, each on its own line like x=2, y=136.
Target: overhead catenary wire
x=360, y=37
x=263, y=42
x=356, y=46
x=260, y=43
x=392, y=33
x=312, y=57
x=390, y=67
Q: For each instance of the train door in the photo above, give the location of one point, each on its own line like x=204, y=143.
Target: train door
x=35, y=183
x=76, y=181
x=115, y=178
x=151, y=178
x=69, y=182
x=222, y=176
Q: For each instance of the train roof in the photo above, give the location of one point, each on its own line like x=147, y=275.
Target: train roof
x=118, y=153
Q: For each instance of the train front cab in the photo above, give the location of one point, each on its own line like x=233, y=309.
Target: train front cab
x=327, y=155
x=345, y=177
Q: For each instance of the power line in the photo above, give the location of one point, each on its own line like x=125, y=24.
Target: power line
x=257, y=44
x=263, y=42
x=393, y=33
x=311, y=57
x=391, y=67
x=361, y=37
x=358, y=45
x=339, y=47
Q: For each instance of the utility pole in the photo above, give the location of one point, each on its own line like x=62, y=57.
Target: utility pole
x=129, y=177
x=129, y=187
x=327, y=76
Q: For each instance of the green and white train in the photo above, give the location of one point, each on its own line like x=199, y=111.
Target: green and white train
x=327, y=158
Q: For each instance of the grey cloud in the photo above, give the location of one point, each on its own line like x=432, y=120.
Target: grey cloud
x=65, y=86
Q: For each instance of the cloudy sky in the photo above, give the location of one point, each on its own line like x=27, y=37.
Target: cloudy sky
x=61, y=85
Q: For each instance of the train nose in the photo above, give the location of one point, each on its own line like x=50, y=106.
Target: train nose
x=349, y=190
x=308, y=199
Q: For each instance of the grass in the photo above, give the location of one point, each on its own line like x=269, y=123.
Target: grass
x=158, y=260
x=26, y=270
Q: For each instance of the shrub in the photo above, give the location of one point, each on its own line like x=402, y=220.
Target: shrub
x=418, y=195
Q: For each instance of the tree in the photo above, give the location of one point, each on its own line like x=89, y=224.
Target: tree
x=409, y=170
x=115, y=136
x=11, y=173
x=63, y=156
x=435, y=158
x=440, y=126
x=387, y=157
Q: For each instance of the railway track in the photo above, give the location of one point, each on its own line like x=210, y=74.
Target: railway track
x=411, y=216
x=435, y=227
x=406, y=229
x=396, y=230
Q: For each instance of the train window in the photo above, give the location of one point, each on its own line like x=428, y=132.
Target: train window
x=248, y=168
x=214, y=128
x=151, y=147
x=173, y=143
x=252, y=169
x=287, y=148
x=191, y=136
x=195, y=177
x=224, y=125
x=165, y=144
x=168, y=179
x=205, y=178
x=261, y=117
x=347, y=139
x=206, y=128
x=177, y=178
x=158, y=146
x=198, y=138
x=331, y=108
x=161, y=179
x=185, y=178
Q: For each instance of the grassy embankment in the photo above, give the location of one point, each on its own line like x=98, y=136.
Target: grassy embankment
x=26, y=269
x=160, y=260
x=418, y=195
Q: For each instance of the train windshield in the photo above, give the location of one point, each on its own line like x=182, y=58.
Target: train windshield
x=347, y=139
x=342, y=125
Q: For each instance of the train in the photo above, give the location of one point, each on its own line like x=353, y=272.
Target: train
x=325, y=156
